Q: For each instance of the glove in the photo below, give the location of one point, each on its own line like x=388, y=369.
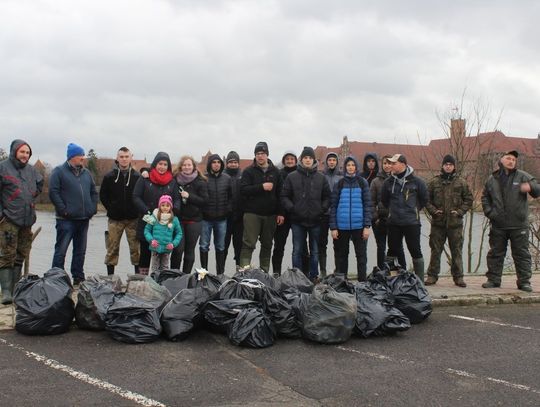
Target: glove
x=169, y=246
x=154, y=243
x=148, y=218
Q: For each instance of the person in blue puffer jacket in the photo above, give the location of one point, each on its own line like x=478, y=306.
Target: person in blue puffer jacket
x=350, y=217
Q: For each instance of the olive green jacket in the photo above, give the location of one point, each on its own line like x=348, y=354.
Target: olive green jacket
x=450, y=195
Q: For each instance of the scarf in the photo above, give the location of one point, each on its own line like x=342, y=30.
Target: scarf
x=160, y=179
x=184, y=179
x=165, y=218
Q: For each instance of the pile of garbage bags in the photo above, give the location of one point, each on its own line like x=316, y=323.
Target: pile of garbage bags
x=252, y=308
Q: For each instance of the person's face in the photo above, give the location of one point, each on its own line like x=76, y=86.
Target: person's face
x=123, y=158
x=387, y=166
x=370, y=163
x=165, y=207
x=187, y=167
x=289, y=161
x=350, y=167
x=261, y=158
x=23, y=154
x=233, y=164
x=215, y=165
x=508, y=161
x=162, y=167
x=448, y=168
x=77, y=161
x=307, y=161
x=331, y=162
x=398, y=167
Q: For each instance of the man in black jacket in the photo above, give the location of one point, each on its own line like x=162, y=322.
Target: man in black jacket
x=306, y=198
x=235, y=222
x=116, y=195
x=215, y=212
x=260, y=188
x=504, y=201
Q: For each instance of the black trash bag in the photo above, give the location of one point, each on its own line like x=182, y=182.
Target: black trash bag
x=201, y=278
x=329, y=316
x=298, y=301
x=295, y=278
x=93, y=299
x=281, y=314
x=147, y=289
x=235, y=289
x=132, y=319
x=44, y=306
x=258, y=274
x=180, y=315
x=219, y=315
x=161, y=275
x=378, y=282
x=339, y=283
x=252, y=328
x=410, y=296
x=176, y=284
x=375, y=315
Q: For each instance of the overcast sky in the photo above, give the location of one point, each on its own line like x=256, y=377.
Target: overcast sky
x=188, y=76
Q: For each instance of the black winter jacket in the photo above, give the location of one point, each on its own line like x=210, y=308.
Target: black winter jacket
x=116, y=193
x=198, y=196
x=305, y=196
x=219, y=203
x=236, y=204
x=255, y=199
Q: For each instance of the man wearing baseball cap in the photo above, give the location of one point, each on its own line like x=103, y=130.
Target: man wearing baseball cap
x=504, y=201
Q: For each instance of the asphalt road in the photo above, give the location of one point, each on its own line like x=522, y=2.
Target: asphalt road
x=462, y=356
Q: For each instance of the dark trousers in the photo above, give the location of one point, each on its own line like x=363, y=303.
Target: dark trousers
x=381, y=233
x=300, y=233
x=323, y=243
x=280, y=240
x=235, y=228
x=360, y=249
x=186, y=248
x=437, y=237
x=519, y=243
x=411, y=233
x=145, y=254
x=67, y=231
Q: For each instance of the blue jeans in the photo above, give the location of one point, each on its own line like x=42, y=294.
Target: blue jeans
x=300, y=233
x=66, y=231
x=220, y=228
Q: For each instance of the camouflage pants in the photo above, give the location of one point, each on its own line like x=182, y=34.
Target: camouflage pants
x=116, y=229
x=519, y=243
x=15, y=243
x=437, y=238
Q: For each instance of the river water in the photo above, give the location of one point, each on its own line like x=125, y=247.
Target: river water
x=43, y=249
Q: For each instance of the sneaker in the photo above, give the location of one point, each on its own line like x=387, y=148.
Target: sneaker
x=430, y=280
x=460, y=282
x=525, y=287
x=491, y=284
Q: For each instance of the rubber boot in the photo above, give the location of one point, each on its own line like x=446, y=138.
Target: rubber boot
x=6, y=281
x=110, y=269
x=418, y=266
x=220, y=261
x=204, y=259
x=322, y=264
x=276, y=263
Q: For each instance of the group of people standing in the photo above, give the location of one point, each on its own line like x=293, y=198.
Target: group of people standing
x=165, y=211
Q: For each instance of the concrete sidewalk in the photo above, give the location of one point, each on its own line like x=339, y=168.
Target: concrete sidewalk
x=444, y=293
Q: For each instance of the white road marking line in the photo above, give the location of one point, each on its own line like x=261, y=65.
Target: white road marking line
x=484, y=321
x=492, y=379
x=129, y=395
x=374, y=355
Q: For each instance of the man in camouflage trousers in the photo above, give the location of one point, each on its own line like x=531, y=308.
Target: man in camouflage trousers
x=449, y=200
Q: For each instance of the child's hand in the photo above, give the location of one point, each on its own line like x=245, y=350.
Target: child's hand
x=154, y=243
x=170, y=246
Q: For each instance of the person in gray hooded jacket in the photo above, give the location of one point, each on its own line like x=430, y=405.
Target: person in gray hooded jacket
x=20, y=183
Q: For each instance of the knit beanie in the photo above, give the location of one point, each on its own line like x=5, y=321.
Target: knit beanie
x=165, y=198
x=307, y=152
x=74, y=150
x=233, y=156
x=449, y=159
x=261, y=146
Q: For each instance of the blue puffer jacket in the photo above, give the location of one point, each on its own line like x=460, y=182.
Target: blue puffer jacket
x=351, y=203
x=73, y=192
x=164, y=234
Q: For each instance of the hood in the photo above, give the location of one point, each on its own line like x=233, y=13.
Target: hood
x=331, y=153
x=209, y=164
x=162, y=156
x=15, y=145
x=347, y=159
x=365, y=169
x=285, y=154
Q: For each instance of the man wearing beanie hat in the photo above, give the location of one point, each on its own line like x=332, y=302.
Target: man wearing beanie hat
x=235, y=222
x=306, y=198
x=504, y=201
x=73, y=194
x=449, y=201
x=20, y=184
x=260, y=188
